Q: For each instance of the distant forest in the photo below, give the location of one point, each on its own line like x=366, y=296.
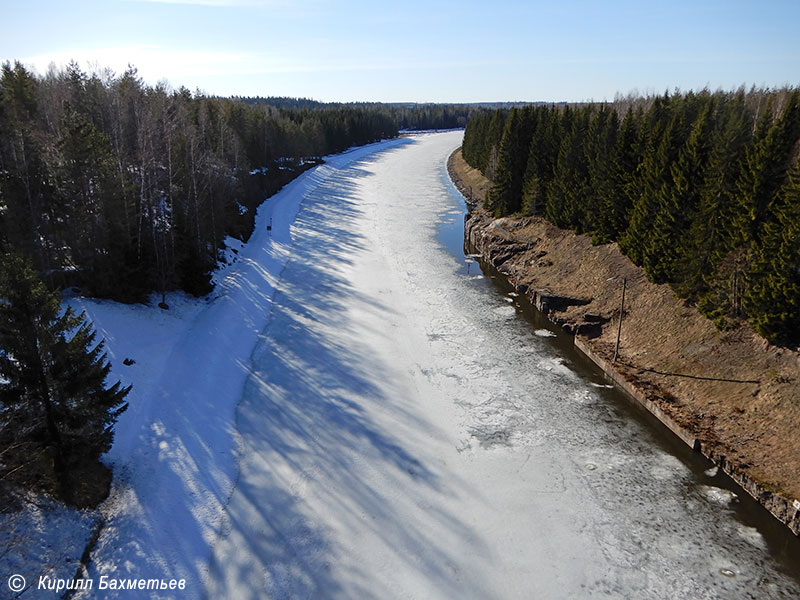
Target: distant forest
x=406, y=116
x=702, y=190
x=125, y=189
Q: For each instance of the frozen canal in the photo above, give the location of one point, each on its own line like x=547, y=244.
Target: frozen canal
x=406, y=433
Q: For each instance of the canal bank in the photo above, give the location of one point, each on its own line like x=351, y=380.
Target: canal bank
x=725, y=394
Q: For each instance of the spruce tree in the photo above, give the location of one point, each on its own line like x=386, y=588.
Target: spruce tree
x=772, y=298
x=677, y=203
x=53, y=377
x=613, y=215
x=88, y=194
x=541, y=160
x=712, y=235
x=599, y=151
x=570, y=186
x=766, y=168
x=25, y=189
x=654, y=187
x=491, y=145
x=646, y=181
x=505, y=196
x=695, y=189
x=474, y=135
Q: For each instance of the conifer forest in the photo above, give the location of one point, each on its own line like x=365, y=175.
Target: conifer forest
x=702, y=190
x=123, y=189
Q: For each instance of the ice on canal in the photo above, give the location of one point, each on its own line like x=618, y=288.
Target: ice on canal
x=404, y=434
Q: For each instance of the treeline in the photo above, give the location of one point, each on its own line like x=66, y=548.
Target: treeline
x=123, y=188
x=702, y=190
x=433, y=116
x=410, y=116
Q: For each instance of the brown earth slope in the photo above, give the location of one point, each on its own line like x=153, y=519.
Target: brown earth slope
x=731, y=390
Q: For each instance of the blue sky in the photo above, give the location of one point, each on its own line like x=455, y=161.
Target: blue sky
x=417, y=50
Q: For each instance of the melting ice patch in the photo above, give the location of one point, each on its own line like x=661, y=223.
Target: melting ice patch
x=668, y=467
x=583, y=397
x=544, y=333
x=505, y=311
x=717, y=496
x=605, y=386
x=555, y=365
x=751, y=536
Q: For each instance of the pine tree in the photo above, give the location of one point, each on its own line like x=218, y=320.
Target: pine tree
x=53, y=376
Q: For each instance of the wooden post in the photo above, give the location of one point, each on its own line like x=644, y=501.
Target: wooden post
x=621, y=312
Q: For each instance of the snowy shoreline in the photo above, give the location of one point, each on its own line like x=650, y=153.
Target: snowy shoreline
x=175, y=450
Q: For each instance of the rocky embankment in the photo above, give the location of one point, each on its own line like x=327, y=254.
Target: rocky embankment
x=729, y=395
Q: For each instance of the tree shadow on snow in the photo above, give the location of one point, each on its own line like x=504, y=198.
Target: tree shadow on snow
x=319, y=422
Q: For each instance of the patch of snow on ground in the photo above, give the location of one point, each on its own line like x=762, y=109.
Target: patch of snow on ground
x=228, y=255
x=44, y=539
